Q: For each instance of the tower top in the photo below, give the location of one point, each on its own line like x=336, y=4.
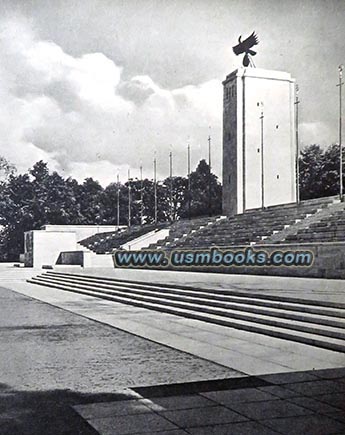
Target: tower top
x=259, y=73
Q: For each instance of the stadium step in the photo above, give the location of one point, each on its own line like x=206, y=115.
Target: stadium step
x=316, y=323
x=271, y=224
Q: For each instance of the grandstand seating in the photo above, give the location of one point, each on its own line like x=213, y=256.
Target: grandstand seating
x=253, y=226
x=181, y=229
x=329, y=229
x=104, y=243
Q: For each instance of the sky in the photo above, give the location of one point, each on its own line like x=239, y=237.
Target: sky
x=94, y=87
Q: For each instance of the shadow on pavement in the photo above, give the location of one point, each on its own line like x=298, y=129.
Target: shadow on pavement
x=46, y=412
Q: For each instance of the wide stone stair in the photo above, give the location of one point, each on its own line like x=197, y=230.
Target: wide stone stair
x=312, y=322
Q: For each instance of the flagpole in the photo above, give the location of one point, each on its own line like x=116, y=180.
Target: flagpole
x=297, y=101
x=171, y=185
x=209, y=177
x=141, y=195
x=118, y=200
x=340, y=69
x=129, y=198
x=189, y=189
x=155, y=185
x=262, y=157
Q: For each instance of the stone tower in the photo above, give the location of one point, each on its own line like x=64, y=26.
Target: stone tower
x=259, y=145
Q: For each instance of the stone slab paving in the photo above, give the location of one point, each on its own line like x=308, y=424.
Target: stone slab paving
x=236, y=406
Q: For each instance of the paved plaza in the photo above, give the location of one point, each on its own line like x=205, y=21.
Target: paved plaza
x=75, y=364
x=295, y=403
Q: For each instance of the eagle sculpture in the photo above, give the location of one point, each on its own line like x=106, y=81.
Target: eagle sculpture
x=245, y=47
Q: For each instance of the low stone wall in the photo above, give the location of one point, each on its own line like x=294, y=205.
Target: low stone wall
x=329, y=262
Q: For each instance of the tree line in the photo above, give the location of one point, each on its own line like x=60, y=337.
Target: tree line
x=39, y=197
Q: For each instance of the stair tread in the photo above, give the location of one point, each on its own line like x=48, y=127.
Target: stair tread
x=219, y=292
x=260, y=318
x=279, y=308
x=308, y=338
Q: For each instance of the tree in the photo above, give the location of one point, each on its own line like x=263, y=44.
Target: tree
x=109, y=204
x=90, y=202
x=55, y=200
x=6, y=169
x=39, y=205
x=173, y=197
x=149, y=202
x=63, y=208
x=203, y=201
x=319, y=171
x=330, y=171
x=135, y=188
x=29, y=201
x=310, y=172
x=16, y=215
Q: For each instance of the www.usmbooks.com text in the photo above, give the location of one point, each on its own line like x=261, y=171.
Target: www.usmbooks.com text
x=213, y=257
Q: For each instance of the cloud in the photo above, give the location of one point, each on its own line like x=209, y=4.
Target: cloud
x=315, y=133
x=79, y=114
x=106, y=169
